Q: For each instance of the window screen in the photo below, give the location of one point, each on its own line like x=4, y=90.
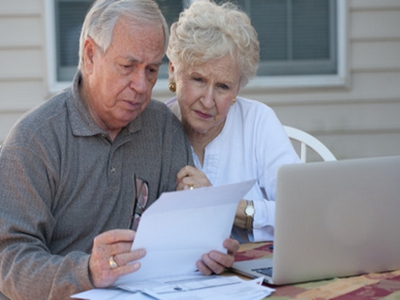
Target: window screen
x=297, y=37
x=69, y=16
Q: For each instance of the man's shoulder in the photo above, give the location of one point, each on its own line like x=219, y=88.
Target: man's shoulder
x=157, y=105
x=45, y=115
x=39, y=132
x=49, y=109
x=158, y=111
x=158, y=117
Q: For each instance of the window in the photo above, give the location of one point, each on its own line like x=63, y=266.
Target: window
x=69, y=16
x=297, y=37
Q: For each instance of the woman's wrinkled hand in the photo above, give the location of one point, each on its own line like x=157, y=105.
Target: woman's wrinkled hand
x=190, y=177
x=216, y=262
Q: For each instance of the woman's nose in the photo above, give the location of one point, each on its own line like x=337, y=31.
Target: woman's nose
x=208, y=98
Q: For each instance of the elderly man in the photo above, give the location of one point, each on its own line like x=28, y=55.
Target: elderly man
x=66, y=168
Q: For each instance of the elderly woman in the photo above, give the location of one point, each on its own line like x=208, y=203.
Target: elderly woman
x=214, y=52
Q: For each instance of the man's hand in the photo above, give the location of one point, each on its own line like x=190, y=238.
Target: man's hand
x=116, y=244
x=216, y=262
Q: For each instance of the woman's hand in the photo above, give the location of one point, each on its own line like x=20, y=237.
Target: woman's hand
x=215, y=261
x=190, y=177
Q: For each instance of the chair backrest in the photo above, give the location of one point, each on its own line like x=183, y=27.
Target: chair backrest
x=308, y=141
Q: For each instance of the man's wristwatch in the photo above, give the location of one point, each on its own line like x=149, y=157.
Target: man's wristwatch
x=249, y=211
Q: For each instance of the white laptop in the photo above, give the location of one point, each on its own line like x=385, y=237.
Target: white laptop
x=333, y=219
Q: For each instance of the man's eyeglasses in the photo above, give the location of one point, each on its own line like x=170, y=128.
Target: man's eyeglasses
x=141, y=196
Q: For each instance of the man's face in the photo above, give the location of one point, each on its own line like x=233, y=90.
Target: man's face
x=119, y=82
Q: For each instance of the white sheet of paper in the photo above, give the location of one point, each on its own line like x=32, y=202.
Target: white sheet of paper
x=207, y=288
x=225, y=288
x=111, y=294
x=178, y=228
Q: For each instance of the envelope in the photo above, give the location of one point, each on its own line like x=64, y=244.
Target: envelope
x=179, y=227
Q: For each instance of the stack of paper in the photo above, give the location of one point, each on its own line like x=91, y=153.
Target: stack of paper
x=205, y=288
x=176, y=230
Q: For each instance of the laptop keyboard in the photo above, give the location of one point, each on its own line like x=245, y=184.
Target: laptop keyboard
x=264, y=271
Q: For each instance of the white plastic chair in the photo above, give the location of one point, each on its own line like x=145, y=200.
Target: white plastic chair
x=307, y=140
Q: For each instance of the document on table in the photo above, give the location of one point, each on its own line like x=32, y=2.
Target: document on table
x=207, y=288
x=176, y=230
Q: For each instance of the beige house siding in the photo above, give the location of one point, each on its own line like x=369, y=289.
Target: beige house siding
x=360, y=119
x=22, y=59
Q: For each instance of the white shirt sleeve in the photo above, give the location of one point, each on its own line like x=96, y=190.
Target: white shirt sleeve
x=272, y=149
x=264, y=220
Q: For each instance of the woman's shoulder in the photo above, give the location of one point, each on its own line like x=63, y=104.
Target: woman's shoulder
x=171, y=102
x=249, y=106
x=173, y=105
x=255, y=115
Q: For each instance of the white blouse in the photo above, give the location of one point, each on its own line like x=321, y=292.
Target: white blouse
x=252, y=145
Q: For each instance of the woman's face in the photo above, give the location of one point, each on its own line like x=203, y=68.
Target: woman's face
x=205, y=93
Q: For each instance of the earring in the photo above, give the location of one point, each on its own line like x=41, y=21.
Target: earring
x=172, y=86
x=233, y=100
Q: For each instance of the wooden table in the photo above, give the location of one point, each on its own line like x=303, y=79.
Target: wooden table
x=368, y=286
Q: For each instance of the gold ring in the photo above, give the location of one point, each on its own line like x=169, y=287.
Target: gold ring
x=191, y=186
x=112, y=263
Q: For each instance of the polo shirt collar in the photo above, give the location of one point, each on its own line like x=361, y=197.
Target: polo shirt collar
x=81, y=122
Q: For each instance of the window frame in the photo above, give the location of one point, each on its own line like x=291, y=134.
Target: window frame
x=340, y=79
x=257, y=84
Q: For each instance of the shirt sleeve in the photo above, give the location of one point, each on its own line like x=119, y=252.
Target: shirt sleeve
x=264, y=220
x=272, y=150
x=28, y=269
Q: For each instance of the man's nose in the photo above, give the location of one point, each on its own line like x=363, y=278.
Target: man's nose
x=139, y=82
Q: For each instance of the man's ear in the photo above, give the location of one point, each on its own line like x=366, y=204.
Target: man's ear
x=89, y=51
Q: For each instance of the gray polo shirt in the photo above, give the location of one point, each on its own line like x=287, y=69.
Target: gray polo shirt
x=62, y=182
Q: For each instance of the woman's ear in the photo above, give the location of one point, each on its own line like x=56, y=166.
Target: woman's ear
x=171, y=71
x=171, y=67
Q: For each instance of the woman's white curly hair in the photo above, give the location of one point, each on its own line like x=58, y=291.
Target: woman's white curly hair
x=207, y=31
